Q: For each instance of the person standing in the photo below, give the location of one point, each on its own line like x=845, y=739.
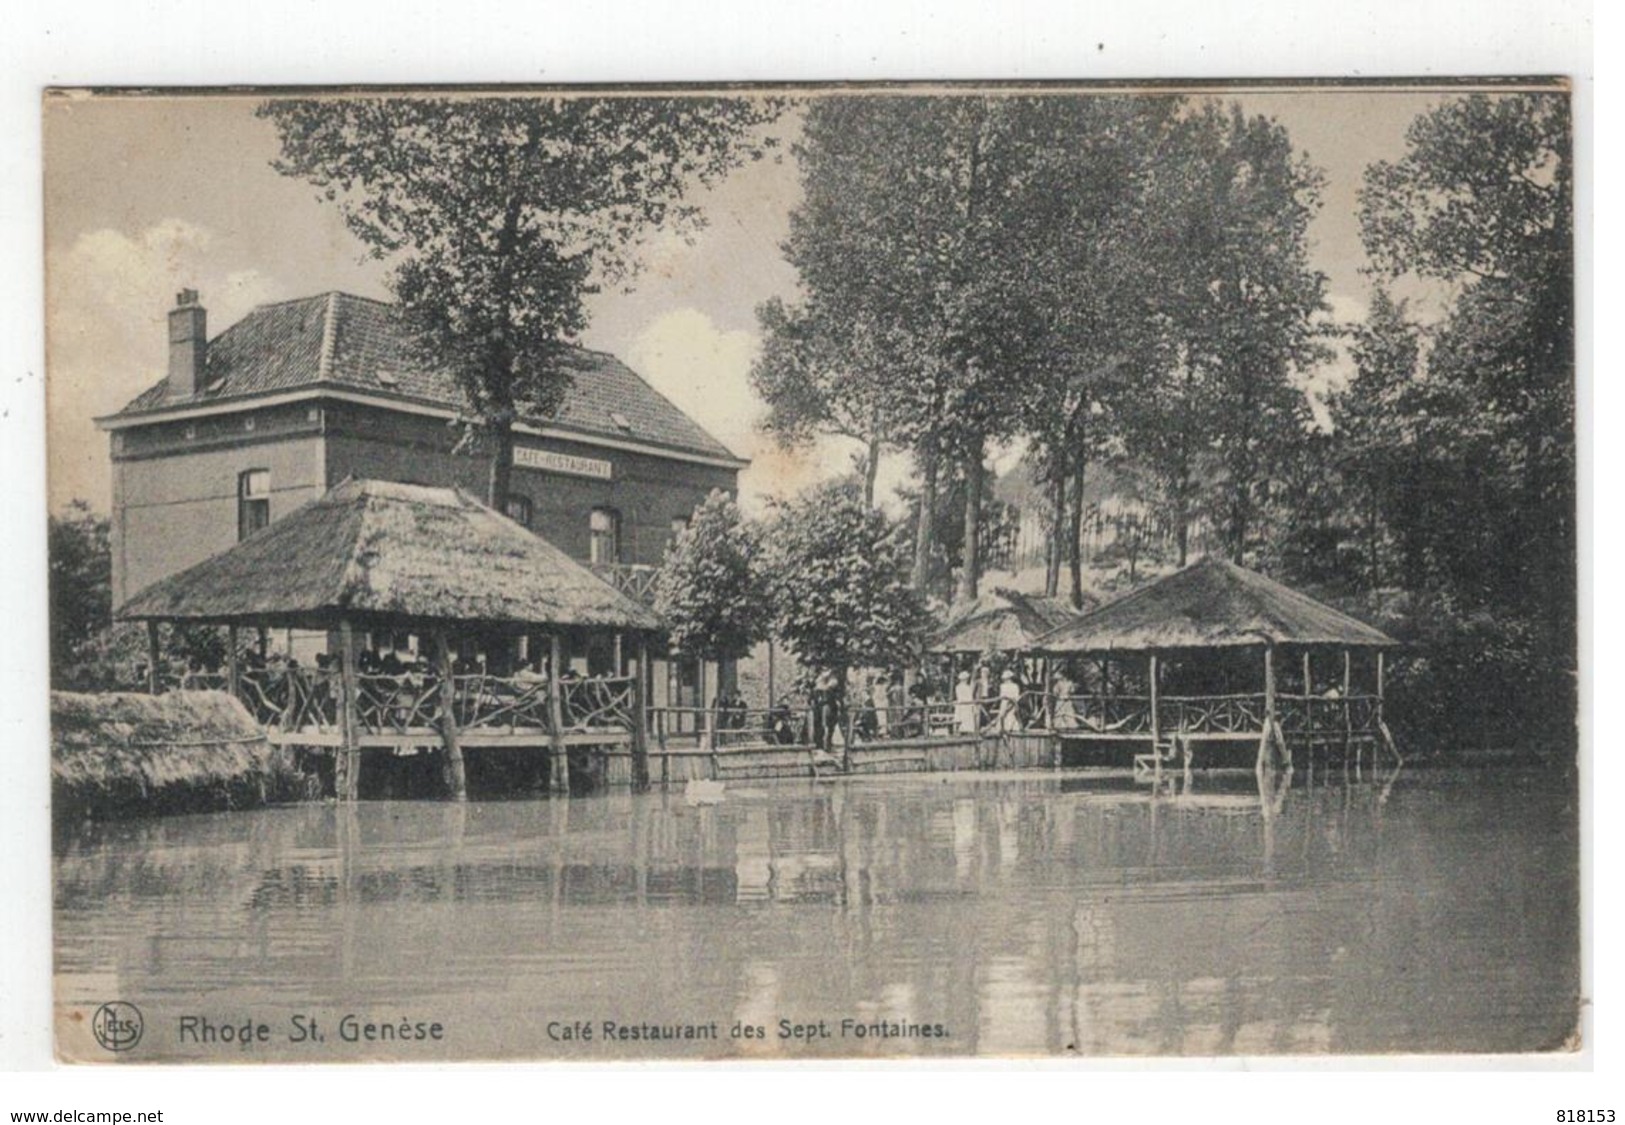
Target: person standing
x=826, y=708
x=965, y=705
x=880, y=696
x=1009, y=701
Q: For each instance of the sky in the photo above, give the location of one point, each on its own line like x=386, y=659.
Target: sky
x=147, y=196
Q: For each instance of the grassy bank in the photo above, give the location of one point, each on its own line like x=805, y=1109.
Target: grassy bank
x=125, y=754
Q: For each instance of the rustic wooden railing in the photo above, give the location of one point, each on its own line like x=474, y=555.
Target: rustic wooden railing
x=1211, y=714
x=483, y=702
x=394, y=704
x=635, y=581
x=1100, y=714
x=308, y=699
x=1330, y=715
x=598, y=704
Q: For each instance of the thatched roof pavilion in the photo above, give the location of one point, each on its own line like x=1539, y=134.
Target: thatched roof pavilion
x=1212, y=604
x=1201, y=615
x=1001, y=620
x=371, y=550
x=374, y=554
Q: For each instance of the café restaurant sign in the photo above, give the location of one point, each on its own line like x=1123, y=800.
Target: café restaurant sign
x=550, y=462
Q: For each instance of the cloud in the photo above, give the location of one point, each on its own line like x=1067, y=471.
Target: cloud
x=706, y=372
x=107, y=295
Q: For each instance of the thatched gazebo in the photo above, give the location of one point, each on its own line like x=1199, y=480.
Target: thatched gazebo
x=384, y=557
x=1001, y=620
x=1227, y=630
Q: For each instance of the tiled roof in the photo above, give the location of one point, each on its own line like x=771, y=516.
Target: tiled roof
x=356, y=343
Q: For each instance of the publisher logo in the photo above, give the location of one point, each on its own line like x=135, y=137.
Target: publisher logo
x=117, y=1025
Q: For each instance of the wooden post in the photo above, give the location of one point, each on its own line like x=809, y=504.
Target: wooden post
x=456, y=779
x=347, y=760
x=153, y=683
x=1379, y=685
x=1156, y=725
x=1265, y=747
x=707, y=721
x=233, y=677
x=1348, y=704
x=264, y=645
x=620, y=665
x=1308, y=675
x=558, y=767
x=640, y=721
x=1045, y=682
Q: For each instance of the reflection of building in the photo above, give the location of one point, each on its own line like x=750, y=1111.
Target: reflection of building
x=299, y=395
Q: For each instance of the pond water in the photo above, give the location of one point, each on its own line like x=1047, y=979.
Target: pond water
x=949, y=914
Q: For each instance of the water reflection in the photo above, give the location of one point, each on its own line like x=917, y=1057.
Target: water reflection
x=1227, y=913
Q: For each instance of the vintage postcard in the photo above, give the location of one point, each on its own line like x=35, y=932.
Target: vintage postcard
x=878, y=572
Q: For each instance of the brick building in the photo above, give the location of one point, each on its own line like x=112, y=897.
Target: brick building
x=301, y=394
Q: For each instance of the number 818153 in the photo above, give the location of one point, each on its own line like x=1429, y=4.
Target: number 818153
x=1585, y=1116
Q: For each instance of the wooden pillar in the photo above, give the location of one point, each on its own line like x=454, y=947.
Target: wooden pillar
x=1269, y=681
x=707, y=723
x=347, y=760
x=153, y=683
x=456, y=778
x=233, y=676
x=264, y=644
x=1265, y=745
x=1348, y=704
x=1045, y=682
x=1308, y=675
x=558, y=767
x=640, y=720
x=620, y=666
x=1156, y=722
x=1379, y=685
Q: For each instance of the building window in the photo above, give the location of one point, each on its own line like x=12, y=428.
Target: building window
x=518, y=509
x=606, y=535
x=253, y=501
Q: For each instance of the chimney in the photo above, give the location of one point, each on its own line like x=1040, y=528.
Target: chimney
x=188, y=345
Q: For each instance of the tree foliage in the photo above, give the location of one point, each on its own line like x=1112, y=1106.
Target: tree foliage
x=81, y=584
x=838, y=579
x=503, y=213
x=710, y=589
x=1455, y=440
x=1242, y=320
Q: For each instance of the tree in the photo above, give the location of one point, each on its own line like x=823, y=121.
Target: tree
x=503, y=213
x=1482, y=501
x=1090, y=232
x=912, y=291
x=81, y=584
x=1244, y=306
x=838, y=579
x=1367, y=419
x=821, y=378
x=1483, y=201
x=710, y=590
x=1212, y=409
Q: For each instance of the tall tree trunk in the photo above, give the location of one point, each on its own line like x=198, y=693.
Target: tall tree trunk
x=1074, y=533
x=1057, y=531
x=971, y=573
x=1371, y=535
x=871, y=469
x=501, y=476
x=925, y=530
x=1238, y=522
x=1182, y=527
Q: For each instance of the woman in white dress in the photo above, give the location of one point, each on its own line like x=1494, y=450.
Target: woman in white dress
x=1009, y=702
x=965, y=705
